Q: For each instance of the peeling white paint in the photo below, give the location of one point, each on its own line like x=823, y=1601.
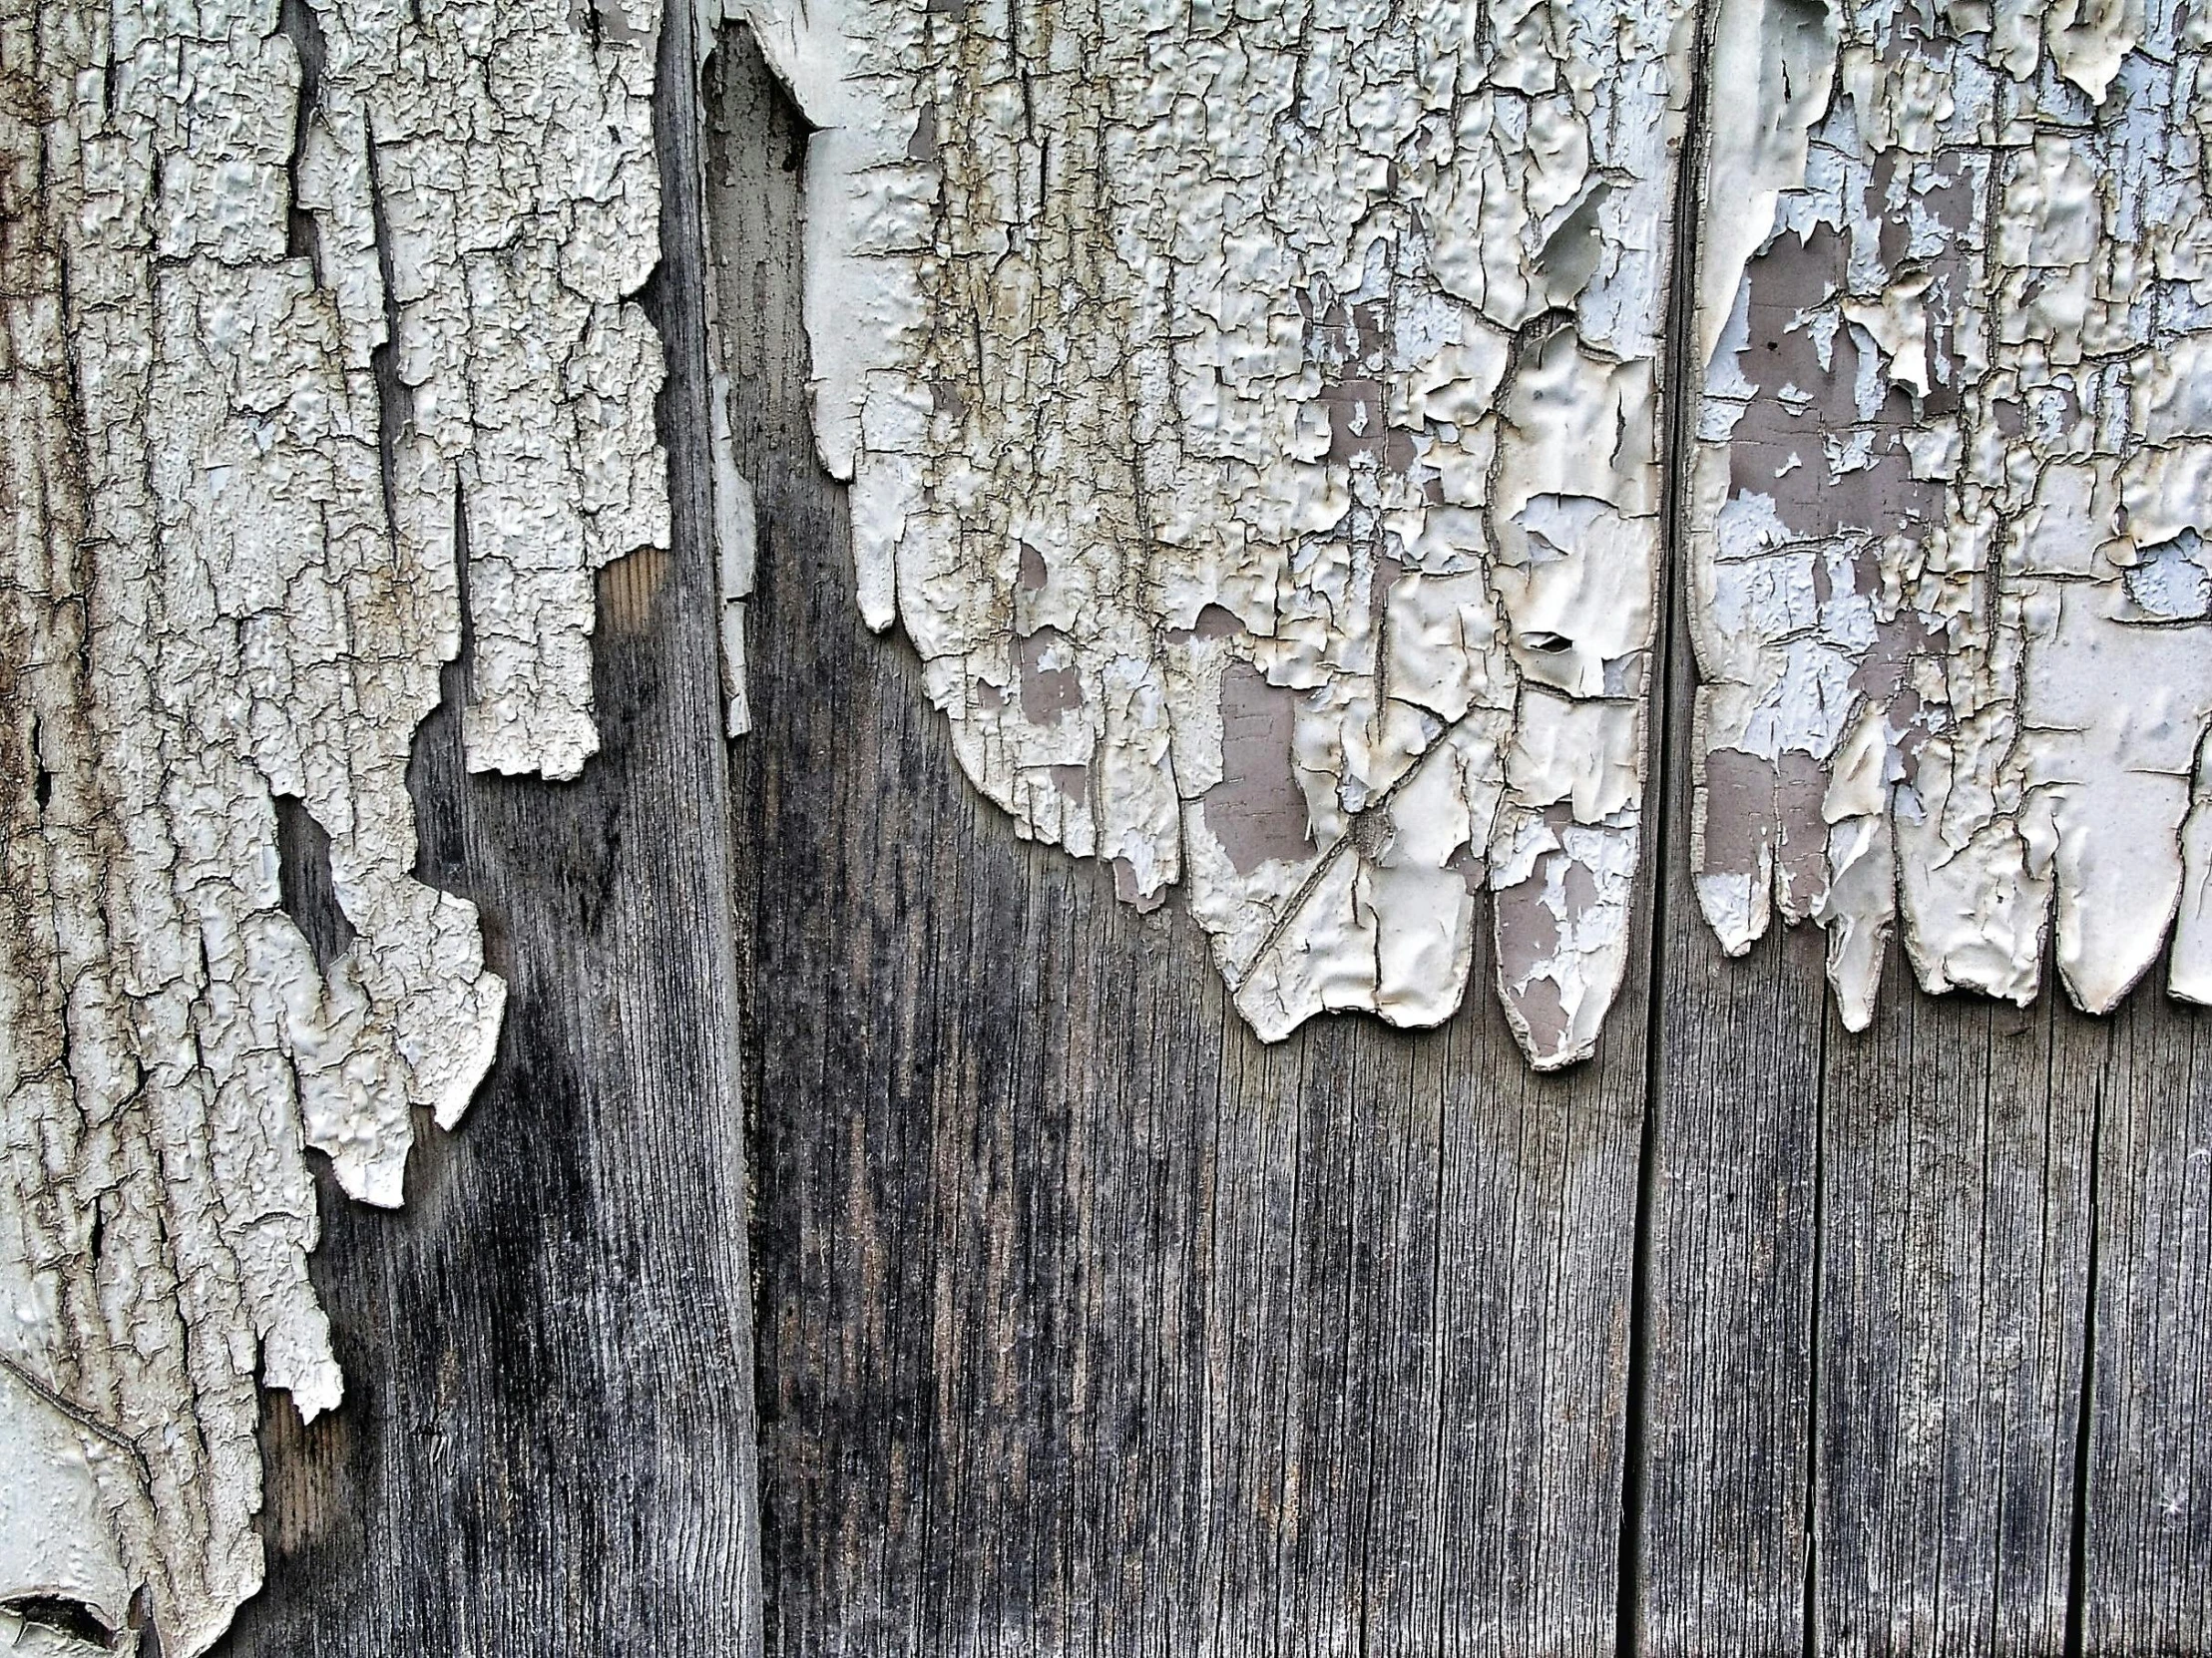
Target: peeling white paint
x=1948, y=586
x=733, y=519
x=733, y=538
x=233, y=573
x=1251, y=419
x=55, y=1542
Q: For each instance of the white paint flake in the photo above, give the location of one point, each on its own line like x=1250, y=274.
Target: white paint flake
x=1948, y=581
x=314, y=320
x=1250, y=418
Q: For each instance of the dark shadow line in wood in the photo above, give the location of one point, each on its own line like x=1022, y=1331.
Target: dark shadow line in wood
x=1670, y=685
x=1810, y=1640
x=2078, y=1526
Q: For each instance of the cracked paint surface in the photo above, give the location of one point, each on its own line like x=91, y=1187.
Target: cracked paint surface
x=1253, y=423
x=318, y=336
x=1251, y=419
x=1949, y=580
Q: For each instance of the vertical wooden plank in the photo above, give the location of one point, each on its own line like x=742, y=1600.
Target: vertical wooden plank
x=2146, y=1456
x=1534, y=1327
x=548, y=1438
x=1089, y=1324
x=1954, y=1258
x=1715, y=1517
x=1879, y=1387
x=1725, y=1384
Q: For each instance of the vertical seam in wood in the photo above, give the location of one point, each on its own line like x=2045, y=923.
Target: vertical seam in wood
x=1628, y=1602
x=1286, y=1618
x=2077, y=1540
x=1983, y=1342
x=1678, y=396
x=1215, y=1553
x=1436, y=1353
x=1363, y=1534
x=1809, y=1642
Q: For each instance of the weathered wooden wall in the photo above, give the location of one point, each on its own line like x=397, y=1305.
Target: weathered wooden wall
x=547, y=1444
x=1087, y=1322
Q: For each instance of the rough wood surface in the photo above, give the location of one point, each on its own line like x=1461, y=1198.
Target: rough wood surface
x=1725, y=1373
x=1088, y=1324
x=547, y=1444
x=1951, y=1297
x=2146, y=1456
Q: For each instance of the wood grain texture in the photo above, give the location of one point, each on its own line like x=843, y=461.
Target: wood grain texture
x=1952, y=1297
x=1869, y=1307
x=1088, y=1323
x=547, y=1444
x=1726, y=1390
x=2146, y=1455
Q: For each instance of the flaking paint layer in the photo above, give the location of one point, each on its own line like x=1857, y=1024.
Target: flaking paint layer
x=1251, y=419
x=317, y=318
x=1947, y=576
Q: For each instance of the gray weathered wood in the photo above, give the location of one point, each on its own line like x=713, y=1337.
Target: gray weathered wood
x=548, y=1440
x=2146, y=1548
x=1089, y=1324
x=1725, y=1379
x=1092, y=1325
x=1954, y=1206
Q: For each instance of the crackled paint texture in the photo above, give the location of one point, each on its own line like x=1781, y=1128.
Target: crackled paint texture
x=316, y=322
x=1251, y=420
x=1253, y=417
x=1948, y=563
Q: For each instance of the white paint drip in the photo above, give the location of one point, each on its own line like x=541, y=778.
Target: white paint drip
x=220, y=590
x=1956, y=669
x=1251, y=421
